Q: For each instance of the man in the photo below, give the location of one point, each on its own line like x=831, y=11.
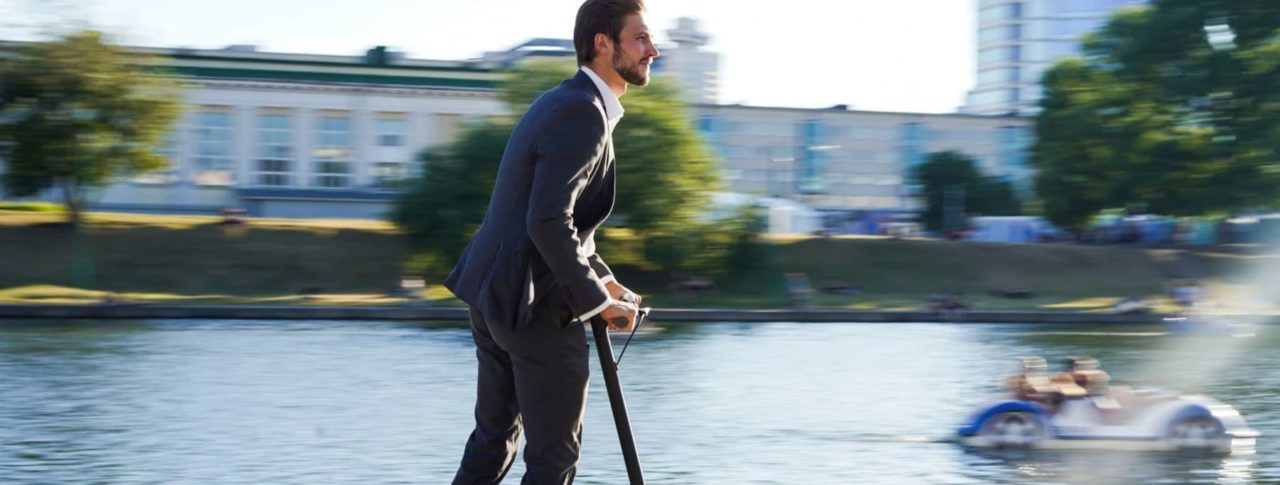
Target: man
x=531, y=274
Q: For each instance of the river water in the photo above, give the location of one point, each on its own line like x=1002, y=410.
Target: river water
x=353, y=402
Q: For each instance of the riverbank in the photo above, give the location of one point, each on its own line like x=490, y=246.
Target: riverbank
x=161, y=261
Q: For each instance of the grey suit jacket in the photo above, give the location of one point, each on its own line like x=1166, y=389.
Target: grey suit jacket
x=536, y=249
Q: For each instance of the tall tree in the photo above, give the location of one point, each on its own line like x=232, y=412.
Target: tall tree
x=1173, y=108
x=76, y=113
x=665, y=175
x=953, y=188
x=443, y=207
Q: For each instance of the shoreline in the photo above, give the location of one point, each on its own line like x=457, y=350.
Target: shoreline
x=459, y=314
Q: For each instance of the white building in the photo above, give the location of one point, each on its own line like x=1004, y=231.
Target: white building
x=1019, y=39
x=287, y=135
x=847, y=162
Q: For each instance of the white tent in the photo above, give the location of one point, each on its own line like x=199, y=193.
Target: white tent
x=790, y=217
x=784, y=216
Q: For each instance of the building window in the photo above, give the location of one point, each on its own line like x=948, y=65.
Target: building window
x=708, y=126
x=1000, y=33
x=391, y=129
x=1090, y=7
x=989, y=56
x=1000, y=12
x=332, y=155
x=914, y=141
x=1000, y=55
x=274, y=163
x=1001, y=75
x=1014, y=142
x=388, y=175
x=213, y=147
x=811, y=159
x=1074, y=28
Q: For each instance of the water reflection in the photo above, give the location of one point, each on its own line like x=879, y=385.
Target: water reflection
x=1103, y=467
x=387, y=402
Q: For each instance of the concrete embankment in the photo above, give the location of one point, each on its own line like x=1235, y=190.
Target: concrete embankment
x=410, y=312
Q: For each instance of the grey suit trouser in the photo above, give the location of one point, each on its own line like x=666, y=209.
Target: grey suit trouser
x=534, y=379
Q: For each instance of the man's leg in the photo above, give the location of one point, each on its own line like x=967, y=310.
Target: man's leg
x=551, y=385
x=492, y=447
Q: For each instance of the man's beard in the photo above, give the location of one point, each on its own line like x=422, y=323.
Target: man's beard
x=633, y=74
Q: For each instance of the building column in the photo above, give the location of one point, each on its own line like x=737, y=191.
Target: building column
x=415, y=140
x=304, y=120
x=179, y=192
x=362, y=128
x=242, y=143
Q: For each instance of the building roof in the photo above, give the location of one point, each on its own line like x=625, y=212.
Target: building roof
x=378, y=66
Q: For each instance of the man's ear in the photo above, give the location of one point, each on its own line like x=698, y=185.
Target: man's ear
x=603, y=43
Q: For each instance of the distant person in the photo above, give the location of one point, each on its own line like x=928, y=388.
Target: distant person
x=1032, y=383
x=1087, y=373
x=531, y=274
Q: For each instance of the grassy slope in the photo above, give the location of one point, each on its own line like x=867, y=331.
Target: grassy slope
x=197, y=260
x=197, y=256
x=902, y=274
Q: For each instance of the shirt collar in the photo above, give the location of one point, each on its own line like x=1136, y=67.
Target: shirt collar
x=612, y=107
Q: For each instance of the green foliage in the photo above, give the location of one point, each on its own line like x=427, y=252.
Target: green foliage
x=1172, y=110
x=707, y=247
x=77, y=112
x=951, y=181
x=441, y=209
x=665, y=178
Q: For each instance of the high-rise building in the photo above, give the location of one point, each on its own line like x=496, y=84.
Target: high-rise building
x=696, y=70
x=1019, y=39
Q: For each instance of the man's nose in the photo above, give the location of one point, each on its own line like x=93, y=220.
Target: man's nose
x=653, y=50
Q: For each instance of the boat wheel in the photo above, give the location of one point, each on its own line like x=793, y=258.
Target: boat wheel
x=1016, y=429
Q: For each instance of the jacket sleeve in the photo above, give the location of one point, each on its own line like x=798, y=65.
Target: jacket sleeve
x=567, y=150
x=602, y=270
x=597, y=263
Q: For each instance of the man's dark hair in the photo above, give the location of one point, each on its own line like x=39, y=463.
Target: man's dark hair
x=601, y=17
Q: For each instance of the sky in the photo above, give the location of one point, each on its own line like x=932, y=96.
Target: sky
x=882, y=55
